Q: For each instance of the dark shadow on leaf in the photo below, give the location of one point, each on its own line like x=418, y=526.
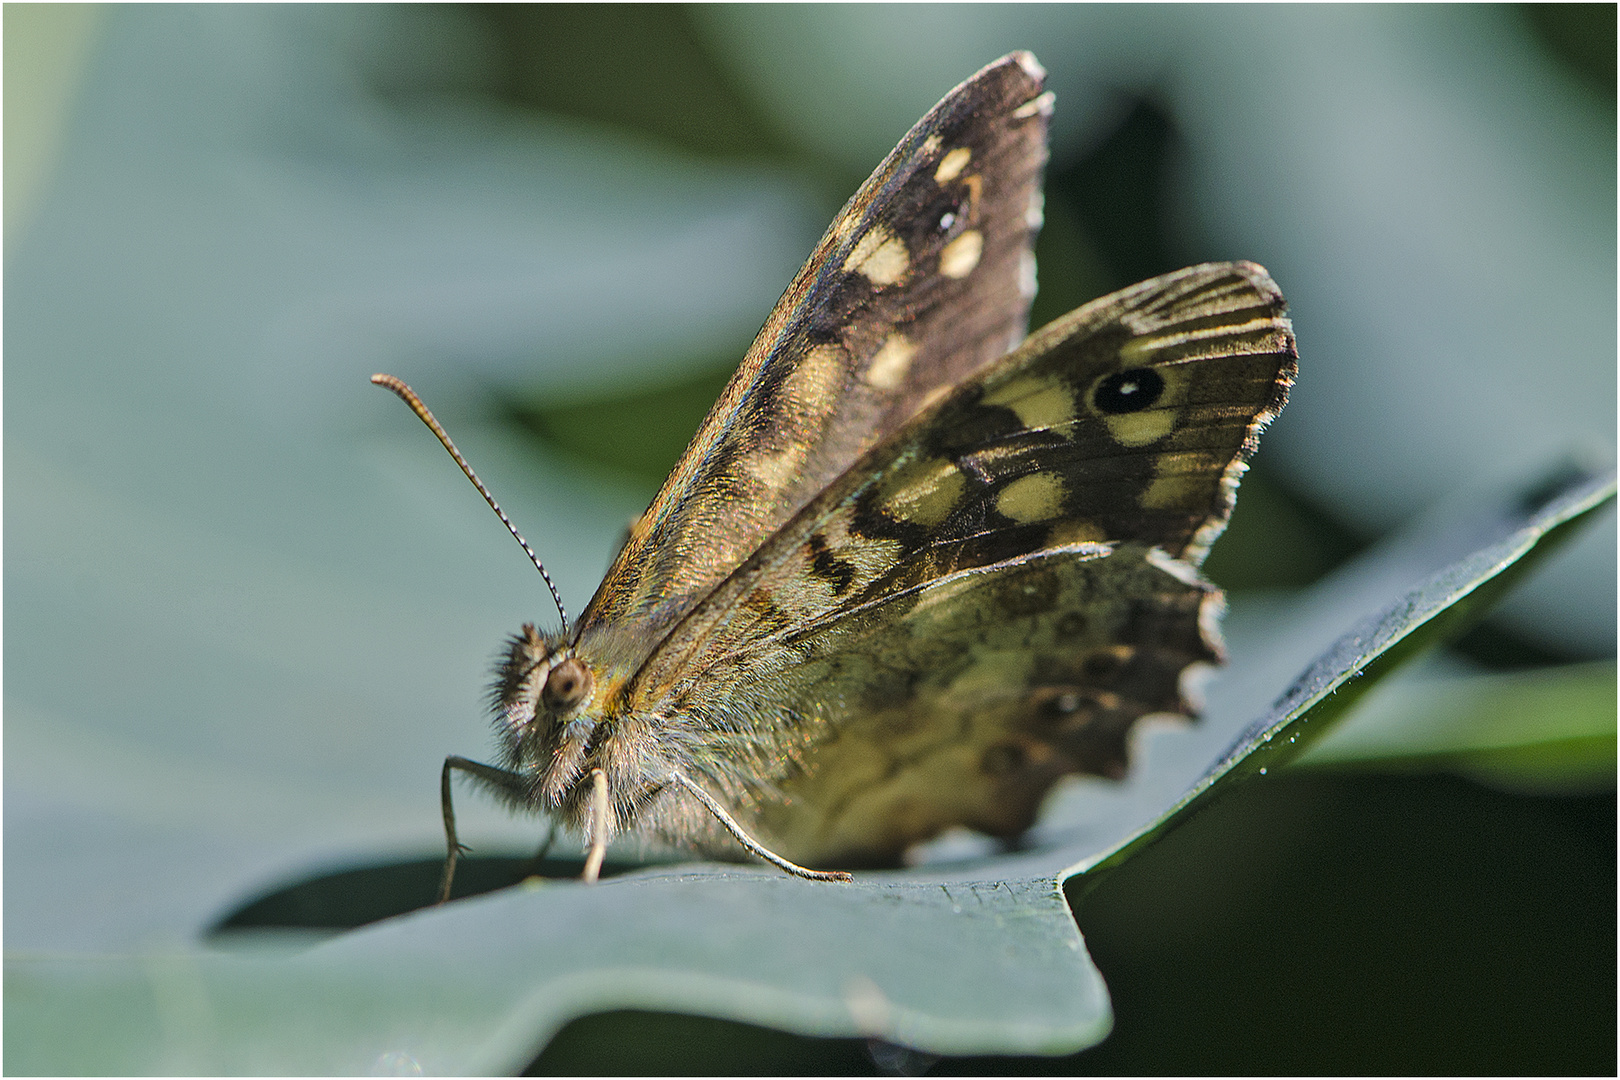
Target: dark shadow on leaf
x=345, y=899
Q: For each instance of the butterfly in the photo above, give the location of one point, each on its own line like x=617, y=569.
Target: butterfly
x=914, y=568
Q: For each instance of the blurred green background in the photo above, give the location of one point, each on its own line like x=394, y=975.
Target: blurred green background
x=251, y=607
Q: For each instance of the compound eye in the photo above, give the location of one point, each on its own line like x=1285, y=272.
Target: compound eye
x=568, y=684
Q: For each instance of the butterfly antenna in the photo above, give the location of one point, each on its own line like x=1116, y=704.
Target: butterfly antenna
x=408, y=396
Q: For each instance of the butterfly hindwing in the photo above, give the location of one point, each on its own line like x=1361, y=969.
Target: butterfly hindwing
x=963, y=702
x=924, y=277
x=1092, y=466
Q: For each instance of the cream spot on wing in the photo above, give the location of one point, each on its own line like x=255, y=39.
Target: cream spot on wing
x=809, y=393
x=924, y=490
x=1026, y=273
x=880, y=256
x=1036, y=497
x=819, y=378
x=952, y=164
x=974, y=183
x=1035, y=212
x=1175, y=491
x=958, y=258
x=1041, y=105
x=776, y=469
x=1040, y=402
x=930, y=147
x=1140, y=428
x=889, y=365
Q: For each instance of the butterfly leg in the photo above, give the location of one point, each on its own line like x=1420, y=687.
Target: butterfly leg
x=510, y=782
x=749, y=842
x=598, y=827
x=545, y=849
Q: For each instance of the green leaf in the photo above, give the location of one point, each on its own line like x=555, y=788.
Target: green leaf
x=954, y=959
x=479, y=986
x=1543, y=731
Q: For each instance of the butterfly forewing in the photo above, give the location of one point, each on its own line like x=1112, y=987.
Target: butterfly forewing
x=1045, y=448
x=924, y=278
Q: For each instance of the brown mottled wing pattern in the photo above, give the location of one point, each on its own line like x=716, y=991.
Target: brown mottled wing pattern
x=963, y=702
x=988, y=599
x=924, y=278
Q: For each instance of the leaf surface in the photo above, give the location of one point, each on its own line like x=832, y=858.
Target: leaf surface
x=973, y=957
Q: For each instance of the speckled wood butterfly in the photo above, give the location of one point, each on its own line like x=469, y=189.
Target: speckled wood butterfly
x=904, y=579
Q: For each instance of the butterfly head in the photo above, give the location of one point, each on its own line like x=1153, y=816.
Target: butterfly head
x=545, y=701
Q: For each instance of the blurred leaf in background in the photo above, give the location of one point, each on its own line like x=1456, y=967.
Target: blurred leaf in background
x=47, y=48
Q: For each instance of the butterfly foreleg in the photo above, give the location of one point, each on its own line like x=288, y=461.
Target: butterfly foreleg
x=736, y=830
x=597, y=827
x=514, y=785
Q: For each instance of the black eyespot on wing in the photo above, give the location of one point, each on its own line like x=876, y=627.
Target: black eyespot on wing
x=1128, y=391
